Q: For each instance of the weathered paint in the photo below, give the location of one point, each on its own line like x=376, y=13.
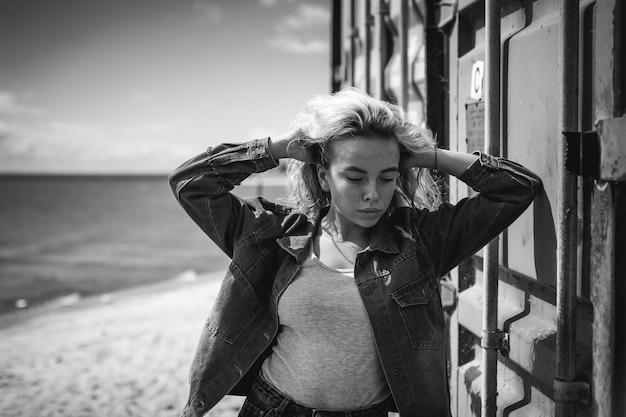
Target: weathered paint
x=469, y=397
x=511, y=392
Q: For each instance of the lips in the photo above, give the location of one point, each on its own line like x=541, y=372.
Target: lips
x=369, y=211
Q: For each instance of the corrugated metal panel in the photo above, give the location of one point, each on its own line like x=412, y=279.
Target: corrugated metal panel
x=405, y=75
x=529, y=120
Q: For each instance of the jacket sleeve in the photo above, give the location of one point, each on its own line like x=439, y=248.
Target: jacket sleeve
x=453, y=233
x=202, y=186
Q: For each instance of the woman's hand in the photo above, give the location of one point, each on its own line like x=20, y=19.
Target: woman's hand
x=289, y=145
x=424, y=158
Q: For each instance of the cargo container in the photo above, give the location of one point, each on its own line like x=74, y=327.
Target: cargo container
x=537, y=319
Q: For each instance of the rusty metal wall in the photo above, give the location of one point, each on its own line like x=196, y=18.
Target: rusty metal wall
x=387, y=47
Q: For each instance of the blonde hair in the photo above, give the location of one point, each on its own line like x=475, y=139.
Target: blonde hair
x=351, y=114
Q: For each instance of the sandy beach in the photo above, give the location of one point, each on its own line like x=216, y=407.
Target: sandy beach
x=121, y=354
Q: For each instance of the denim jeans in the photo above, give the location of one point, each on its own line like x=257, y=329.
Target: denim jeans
x=267, y=401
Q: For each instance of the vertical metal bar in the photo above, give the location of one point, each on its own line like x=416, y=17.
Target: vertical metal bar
x=436, y=77
x=352, y=43
x=602, y=297
x=603, y=225
x=619, y=315
x=404, y=55
x=382, y=15
x=490, y=260
x=567, y=204
x=336, y=38
x=367, y=44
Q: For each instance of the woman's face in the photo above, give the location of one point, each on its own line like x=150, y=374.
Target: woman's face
x=361, y=177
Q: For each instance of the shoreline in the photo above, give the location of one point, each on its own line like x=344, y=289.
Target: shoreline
x=75, y=302
x=129, y=356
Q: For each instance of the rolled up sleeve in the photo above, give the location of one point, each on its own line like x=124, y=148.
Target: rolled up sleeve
x=454, y=232
x=202, y=186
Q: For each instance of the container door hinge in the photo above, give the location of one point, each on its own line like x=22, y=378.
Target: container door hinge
x=495, y=339
x=582, y=154
x=572, y=391
x=599, y=154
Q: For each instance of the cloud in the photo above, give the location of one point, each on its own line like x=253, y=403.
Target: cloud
x=299, y=46
x=142, y=98
x=271, y=3
x=156, y=128
x=209, y=13
x=4, y=129
x=304, y=32
x=59, y=138
x=80, y=147
x=13, y=104
x=29, y=142
x=307, y=16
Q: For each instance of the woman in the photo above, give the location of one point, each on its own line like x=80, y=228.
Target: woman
x=331, y=307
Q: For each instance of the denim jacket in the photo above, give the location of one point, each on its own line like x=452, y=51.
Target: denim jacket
x=397, y=275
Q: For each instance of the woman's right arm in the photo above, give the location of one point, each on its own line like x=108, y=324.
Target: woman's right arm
x=202, y=186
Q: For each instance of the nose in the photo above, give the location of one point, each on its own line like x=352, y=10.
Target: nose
x=371, y=193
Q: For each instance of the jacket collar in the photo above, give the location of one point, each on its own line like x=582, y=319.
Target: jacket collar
x=383, y=238
x=297, y=243
x=297, y=238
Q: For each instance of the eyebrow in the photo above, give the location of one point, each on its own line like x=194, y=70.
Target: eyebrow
x=363, y=171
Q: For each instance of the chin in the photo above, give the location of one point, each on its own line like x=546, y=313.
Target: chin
x=367, y=223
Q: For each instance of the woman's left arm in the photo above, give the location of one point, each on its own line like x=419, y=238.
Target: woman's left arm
x=453, y=233
x=449, y=162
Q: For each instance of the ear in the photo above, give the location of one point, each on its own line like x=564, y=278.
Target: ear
x=322, y=177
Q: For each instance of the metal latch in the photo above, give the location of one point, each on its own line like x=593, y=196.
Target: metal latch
x=495, y=339
x=582, y=154
x=598, y=154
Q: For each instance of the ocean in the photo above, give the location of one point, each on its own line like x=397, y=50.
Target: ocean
x=85, y=235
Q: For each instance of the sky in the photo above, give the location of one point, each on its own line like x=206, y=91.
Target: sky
x=139, y=86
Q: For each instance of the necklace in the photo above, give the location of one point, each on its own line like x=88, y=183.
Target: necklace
x=341, y=252
x=330, y=230
x=354, y=246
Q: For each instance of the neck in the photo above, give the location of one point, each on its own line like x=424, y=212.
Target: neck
x=332, y=224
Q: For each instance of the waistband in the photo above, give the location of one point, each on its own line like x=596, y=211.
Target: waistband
x=264, y=391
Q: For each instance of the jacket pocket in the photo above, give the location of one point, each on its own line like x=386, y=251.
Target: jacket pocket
x=421, y=312
x=236, y=306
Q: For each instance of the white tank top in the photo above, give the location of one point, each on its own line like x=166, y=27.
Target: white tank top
x=325, y=356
